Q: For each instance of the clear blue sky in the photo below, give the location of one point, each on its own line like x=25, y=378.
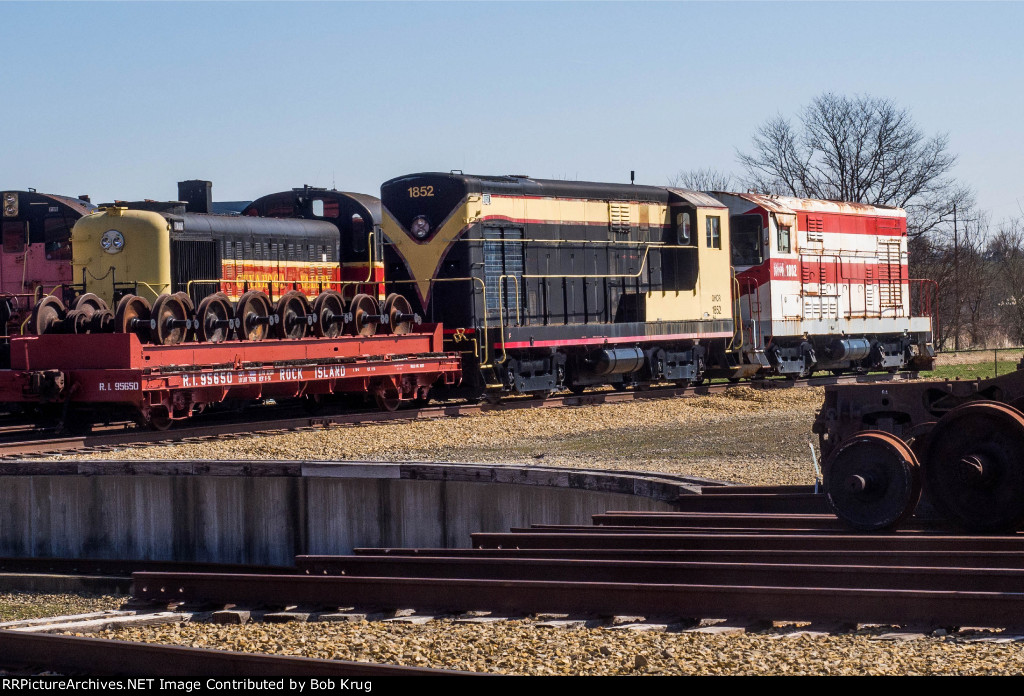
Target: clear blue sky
x=122, y=100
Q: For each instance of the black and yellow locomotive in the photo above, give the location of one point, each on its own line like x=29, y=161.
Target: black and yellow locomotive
x=547, y=284
x=357, y=219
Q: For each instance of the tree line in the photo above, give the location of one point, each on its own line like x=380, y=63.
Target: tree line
x=866, y=149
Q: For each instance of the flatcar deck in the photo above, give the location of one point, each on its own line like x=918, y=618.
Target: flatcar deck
x=181, y=379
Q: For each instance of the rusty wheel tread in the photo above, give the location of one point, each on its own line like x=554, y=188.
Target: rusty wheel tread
x=253, y=304
x=362, y=307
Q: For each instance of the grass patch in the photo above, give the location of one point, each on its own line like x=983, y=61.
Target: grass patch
x=979, y=370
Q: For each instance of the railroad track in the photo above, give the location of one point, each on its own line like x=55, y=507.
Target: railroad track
x=21, y=441
x=692, y=566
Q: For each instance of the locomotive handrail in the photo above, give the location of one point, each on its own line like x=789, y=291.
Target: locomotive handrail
x=930, y=300
x=501, y=318
x=501, y=315
x=643, y=265
x=501, y=312
x=156, y=293
x=21, y=327
x=750, y=287
x=660, y=245
x=110, y=272
x=501, y=292
x=737, y=309
x=481, y=355
x=370, y=245
x=85, y=270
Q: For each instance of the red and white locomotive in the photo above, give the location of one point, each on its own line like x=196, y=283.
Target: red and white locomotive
x=823, y=285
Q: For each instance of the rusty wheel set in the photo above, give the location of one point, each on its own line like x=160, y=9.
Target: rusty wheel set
x=174, y=319
x=969, y=464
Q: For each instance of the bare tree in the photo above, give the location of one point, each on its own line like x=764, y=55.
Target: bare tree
x=1006, y=252
x=968, y=287
x=862, y=149
x=709, y=179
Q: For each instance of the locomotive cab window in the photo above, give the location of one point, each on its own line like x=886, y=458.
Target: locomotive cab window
x=746, y=240
x=57, y=235
x=14, y=235
x=683, y=231
x=784, y=237
x=358, y=234
x=714, y=231
x=325, y=208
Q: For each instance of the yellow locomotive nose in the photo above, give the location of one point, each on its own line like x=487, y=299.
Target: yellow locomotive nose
x=120, y=249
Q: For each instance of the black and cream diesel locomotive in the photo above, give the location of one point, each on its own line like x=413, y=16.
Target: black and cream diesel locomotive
x=546, y=284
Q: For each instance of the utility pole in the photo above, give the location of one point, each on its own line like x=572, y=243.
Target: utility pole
x=956, y=282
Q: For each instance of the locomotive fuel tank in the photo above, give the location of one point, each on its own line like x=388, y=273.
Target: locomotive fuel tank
x=612, y=361
x=850, y=348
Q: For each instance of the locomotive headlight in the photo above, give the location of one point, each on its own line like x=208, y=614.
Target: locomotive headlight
x=420, y=227
x=112, y=241
x=10, y=204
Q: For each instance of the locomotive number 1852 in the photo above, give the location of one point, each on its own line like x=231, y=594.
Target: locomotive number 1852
x=420, y=191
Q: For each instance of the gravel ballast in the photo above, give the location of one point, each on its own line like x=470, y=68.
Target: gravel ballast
x=746, y=435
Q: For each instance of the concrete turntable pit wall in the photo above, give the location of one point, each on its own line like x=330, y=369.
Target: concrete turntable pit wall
x=268, y=512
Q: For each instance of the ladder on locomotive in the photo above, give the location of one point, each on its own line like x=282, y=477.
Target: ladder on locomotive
x=890, y=275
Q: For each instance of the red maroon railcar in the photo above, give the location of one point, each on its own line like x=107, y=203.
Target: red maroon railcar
x=35, y=257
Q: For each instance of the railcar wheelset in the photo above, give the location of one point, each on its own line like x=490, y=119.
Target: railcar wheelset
x=173, y=318
x=969, y=464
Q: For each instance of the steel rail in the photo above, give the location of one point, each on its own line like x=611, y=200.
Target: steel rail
x=675, y=573
x=756, y=520
x=837, y=542
x=960, y=559
x=714, y=499
x=102, y=657
x=682, y=520
x=125, y=567
x=708, y=528
x=941, y=608
x=759, y=491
